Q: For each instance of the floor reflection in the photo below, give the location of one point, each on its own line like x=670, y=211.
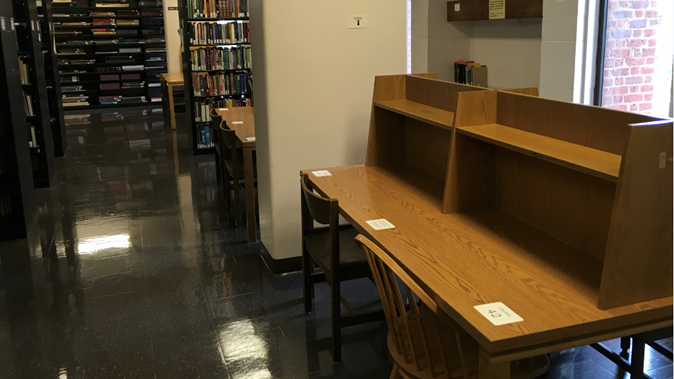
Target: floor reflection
x=132, y=271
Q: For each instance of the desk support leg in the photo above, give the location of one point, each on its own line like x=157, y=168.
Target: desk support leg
x=250, y=193
x=172, y=107
x=491, y=370
x=637, y=361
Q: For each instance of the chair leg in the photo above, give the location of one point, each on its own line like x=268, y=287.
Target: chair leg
x=637, y=361
x=237, y=199
x=395, y=373
x=336, y=313
x=226, y=187
x=625, y=343
x=307, y=284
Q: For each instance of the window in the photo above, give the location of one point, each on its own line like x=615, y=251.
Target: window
x=635, y=51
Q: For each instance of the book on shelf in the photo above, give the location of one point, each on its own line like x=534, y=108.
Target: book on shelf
x=103, y=21
x=128, y=13
x=209, y=33
x=469, y=72
x=111, y=5
x=155, y=99
x=70, y=79
x=68, y=32
x=153, y=85
x=220, y=84
x=130, y=76
x=127, y=32
x=153, y=14
x=71, y=88
x=105, y=14
x=133, y=99
x=28, y=105
x=153, y=4
x=24, y=72
x=80, y=23
x=133, y=85
x=217, y=8
x=32, y=137
x=109, y=100
x=109, y=78
x=74, y=100
x=109, y=86
x=219, y=58
x=155, y=40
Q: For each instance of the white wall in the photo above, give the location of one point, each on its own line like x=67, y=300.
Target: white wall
x=510, y=48
x=313, y=81
x=171, y=26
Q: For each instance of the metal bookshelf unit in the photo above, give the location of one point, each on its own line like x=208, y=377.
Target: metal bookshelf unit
x=34, y=88
x=110, y=52
x=17, y=195
x=217, y=63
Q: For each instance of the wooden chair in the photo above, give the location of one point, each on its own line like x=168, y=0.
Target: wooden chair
x=334, y=250
x=424, y=342
x=231, y=158
x=216, y=119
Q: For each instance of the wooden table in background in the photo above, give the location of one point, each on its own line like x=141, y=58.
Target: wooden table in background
x=462, y=259
x=169, y=82
x=241, y=120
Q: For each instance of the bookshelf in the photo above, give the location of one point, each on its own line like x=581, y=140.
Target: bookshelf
x=17, y=195
x=34, y=88
x=52, y=78
x=217, y=63
x=110, y=52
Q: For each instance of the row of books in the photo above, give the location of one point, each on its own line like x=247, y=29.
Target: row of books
x=471, y=73
x=134, y=41
x=118, y=99
x=115, y=22
x=204, y=140
x=217, y=8
x=28, y=104
x=74, y=100
x=126, y=13
x=136, y=67
x=32, y=138
x=208, y=33
x=214, y=58
x=24, y=71
x=219, y=85
x=202, y=109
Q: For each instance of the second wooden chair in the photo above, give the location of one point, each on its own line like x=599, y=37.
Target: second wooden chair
x=231, y=162
x=424, y=342
x=334, y=250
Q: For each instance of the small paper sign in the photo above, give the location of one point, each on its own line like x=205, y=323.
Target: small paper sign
x=496, y=9
x=223, y=109
x=498, y=313
x=380, y=224
x=321, y=173
x=250, y=139
x=237, y=122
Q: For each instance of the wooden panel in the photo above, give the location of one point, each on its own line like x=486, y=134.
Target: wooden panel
x=576, y=157
x=417, y=111
x=427, y=148
x=531, y=91
x=386, y=142
x=473, y=10
x=381, y=144
x=244, y=130
x=638, y=263
x=473, y=108
x=595, y=127
x=463, y=260
x=418, y=89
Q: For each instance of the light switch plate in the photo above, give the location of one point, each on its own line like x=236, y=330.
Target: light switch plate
x=358, y=21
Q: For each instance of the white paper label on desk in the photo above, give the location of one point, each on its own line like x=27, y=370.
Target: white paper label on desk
x=250, y=139
x=380, y=224
x=321, y=173
x=223, y=109
x=237, y=122
x=498, y=313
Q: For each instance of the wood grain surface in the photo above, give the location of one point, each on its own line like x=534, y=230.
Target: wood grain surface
x=467, y=259
x=243, y=131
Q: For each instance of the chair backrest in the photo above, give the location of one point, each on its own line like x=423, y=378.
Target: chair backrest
x=321, y=209
x=216, y=119
x=228, y=143
x=427, y=338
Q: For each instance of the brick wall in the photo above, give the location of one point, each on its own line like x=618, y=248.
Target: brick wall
x=629, y=63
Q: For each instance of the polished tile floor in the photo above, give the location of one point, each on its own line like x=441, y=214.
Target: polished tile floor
x=131, y=271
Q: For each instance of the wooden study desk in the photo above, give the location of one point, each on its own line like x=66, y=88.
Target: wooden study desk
x=560, y=211
x=449, y=256
x=242, y=121
x=169, y=83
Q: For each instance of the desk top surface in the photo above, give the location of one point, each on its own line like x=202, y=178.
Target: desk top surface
x=242, y=121
x=469, y=259
x=173, y=78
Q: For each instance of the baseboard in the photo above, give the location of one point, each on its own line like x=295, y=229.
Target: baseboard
x=280, y=266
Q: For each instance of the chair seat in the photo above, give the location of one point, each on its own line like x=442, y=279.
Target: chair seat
x=318, y=245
